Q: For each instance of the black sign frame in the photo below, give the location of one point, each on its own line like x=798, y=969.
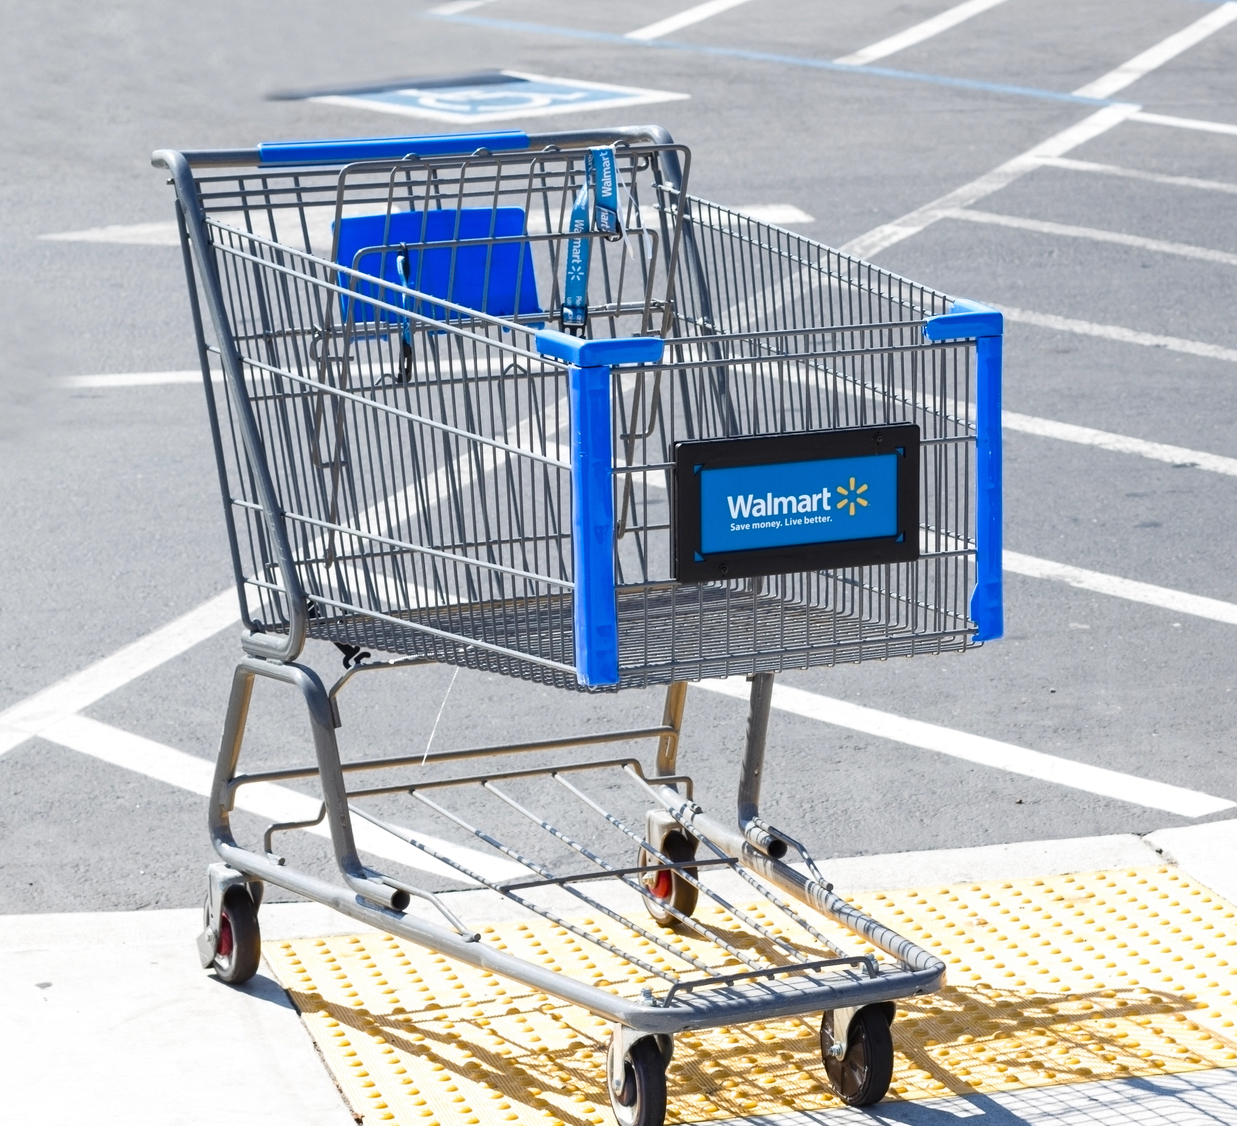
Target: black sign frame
x=690, y=458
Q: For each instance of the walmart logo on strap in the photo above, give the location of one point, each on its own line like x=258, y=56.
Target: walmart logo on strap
x=851, y=497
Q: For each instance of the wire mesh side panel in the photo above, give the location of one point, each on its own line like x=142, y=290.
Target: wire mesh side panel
x=418, y=446
x=489, y=233
x=776, y=334
x=427, y=515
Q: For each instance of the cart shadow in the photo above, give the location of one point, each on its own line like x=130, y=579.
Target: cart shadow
x=773, y=1068
x=1005, y=1027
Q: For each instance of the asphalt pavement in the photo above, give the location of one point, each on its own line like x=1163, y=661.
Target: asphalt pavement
x=112, y=517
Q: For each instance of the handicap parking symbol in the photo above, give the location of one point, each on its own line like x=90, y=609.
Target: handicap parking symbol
x=497, y=96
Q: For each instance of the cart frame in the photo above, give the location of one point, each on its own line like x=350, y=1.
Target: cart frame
x=758, y=852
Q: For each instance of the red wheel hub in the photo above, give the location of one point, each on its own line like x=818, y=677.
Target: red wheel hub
x=662, y=885
x=225, y=936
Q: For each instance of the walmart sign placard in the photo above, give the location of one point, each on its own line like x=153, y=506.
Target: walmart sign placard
x=810, y=501
x=796, y=502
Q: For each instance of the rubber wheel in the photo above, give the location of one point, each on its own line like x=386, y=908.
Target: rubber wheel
x=861, y=1077
x=670, y=888
x=240, y=941
x=642, y=1102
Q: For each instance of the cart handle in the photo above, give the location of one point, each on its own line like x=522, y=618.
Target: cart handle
x=387, y=148
x=346, y=150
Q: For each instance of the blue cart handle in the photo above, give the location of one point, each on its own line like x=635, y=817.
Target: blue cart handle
x=346, y=150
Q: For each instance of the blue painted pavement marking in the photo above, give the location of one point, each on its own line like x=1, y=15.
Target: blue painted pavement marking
x=494, y=97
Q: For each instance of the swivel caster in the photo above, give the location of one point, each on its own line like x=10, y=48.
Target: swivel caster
x=859, y=1064
x=636, y=1082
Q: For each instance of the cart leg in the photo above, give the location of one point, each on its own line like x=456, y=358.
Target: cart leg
x=322, y=722
x=672, y=716
x=663, y=831
x=756, y=832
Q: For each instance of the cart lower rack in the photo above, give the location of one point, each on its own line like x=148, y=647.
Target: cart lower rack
x=738, y=452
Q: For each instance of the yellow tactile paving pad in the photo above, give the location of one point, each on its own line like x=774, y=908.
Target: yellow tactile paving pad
x=1074, y=978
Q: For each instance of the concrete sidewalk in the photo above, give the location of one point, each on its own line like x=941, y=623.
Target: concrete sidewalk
x=108, y=1018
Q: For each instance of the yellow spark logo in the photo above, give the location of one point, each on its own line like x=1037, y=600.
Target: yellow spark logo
x=851, y=497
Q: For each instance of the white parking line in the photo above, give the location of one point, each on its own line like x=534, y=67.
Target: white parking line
x=919, y=32
x=58, y=701
x=1119, y=443
x=1139, y=174
x=136, y=379
x=1164, y=597
x=1097, y=234
x=984, y=752
x=1167, y=49
x=1186, y=123
x=264, y=799
x=887, y=234
x=1124, y=335
x=37, y=713
x=684, y=19
x=134, y=234
x=50, y=714
x=776, y=214
x=455, y=7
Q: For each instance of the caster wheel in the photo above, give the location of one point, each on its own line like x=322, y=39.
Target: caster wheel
x=240, y=941
x=861, y=1077
x=669, y=889
x=642, y=1099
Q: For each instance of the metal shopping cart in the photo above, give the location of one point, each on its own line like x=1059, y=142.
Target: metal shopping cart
x=522, y=404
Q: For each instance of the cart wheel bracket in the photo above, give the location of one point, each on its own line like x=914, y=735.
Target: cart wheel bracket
x=622, y=1039
x=219, y=880
x=841, y=1026
x=841, y=1031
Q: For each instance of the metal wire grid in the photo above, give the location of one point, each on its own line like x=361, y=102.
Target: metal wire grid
x=736, y=274
x=584, y=843
x=774, y=333
x=444, y=493
x=629, y=280
x=427, y=496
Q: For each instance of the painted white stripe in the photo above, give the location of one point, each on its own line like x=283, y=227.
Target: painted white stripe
x=265, y=799
x=136, y=379
x=136, y=234
x=1124, y=335
x=1117, y=587
x=1119, y=443
x=917, y=34
x=982, y=751
x=1186, y=123
x=684, y=19
x=1164, y=51
x=1139, y=174
x=1043, y=427
x=1097, y=234
x=778, y=214
x=33, y=715
x=1164, y=597
x=887, y=234
x=455, y=7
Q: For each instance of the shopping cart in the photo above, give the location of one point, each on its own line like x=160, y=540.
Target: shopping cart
x=522, y=404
